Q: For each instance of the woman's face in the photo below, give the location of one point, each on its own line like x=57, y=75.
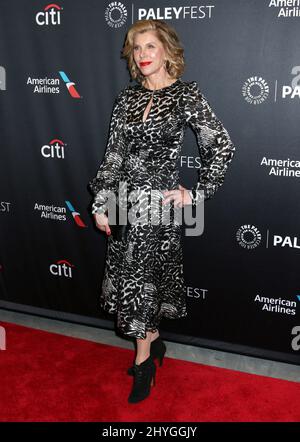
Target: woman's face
x=148, y=53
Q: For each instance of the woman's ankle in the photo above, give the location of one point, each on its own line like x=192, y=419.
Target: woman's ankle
x=154, y=336
x=139, y=360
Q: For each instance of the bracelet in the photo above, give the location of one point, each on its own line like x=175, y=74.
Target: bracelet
x=193, y=195
x=97, y=208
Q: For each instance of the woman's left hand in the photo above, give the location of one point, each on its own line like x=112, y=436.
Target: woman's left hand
x=180, y=196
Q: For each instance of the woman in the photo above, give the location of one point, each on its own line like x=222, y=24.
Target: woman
x=143, y=278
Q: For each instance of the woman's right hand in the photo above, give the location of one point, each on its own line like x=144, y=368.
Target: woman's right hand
x=102, y=222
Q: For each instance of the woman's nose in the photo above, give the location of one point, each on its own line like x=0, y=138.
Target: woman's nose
x=142, y=53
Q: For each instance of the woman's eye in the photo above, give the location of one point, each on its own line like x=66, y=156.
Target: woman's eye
x=136, y=47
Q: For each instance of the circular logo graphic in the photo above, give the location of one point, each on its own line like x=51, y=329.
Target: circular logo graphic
x=255, y=90
x=248, y=236
x=116, y=14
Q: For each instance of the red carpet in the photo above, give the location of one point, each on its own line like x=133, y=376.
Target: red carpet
x=51, y=377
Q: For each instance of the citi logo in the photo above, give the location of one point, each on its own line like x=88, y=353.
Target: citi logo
x=55, y=149
x=49, y=16
x=70, y=85
x=62, y=268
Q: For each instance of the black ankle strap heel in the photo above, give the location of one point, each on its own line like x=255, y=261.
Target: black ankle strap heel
x=144, y=377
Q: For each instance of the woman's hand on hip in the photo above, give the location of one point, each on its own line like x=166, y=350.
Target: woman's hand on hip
x=102, y=222
x=181, y=197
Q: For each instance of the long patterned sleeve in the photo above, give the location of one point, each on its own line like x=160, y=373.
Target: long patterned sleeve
x=216, y=149
x=107, y=177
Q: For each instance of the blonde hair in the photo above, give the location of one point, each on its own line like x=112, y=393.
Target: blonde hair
x=168, y=37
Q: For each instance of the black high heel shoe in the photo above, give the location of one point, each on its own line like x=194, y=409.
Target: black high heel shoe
x=144, y=377
x=157, y=350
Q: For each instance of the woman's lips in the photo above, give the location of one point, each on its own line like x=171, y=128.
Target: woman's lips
x=145, y=63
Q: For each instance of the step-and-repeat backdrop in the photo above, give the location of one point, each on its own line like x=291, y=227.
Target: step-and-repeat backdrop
x=60, y=71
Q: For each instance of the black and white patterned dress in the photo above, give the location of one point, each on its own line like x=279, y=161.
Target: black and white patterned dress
x=144, y=279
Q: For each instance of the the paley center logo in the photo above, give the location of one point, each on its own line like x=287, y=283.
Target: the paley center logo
x=115, y=14
x=50, y=15
x=255, y=90
x=51, y=85
x=248, y=236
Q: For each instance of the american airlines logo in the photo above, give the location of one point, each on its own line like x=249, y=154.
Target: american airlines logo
x=281, y=167
x=276, y=305
x=70, y=85
x=286, y=8
x=51, y=85
x=59, y=213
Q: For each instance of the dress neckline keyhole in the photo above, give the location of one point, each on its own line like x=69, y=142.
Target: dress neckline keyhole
x=147, y=109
